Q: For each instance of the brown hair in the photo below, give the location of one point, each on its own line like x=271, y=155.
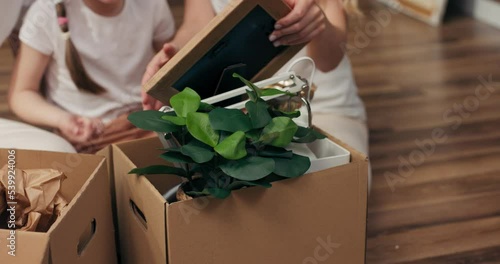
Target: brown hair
x=73, y=61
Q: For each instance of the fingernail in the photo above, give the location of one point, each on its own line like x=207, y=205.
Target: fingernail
x=272, y=38
x=277, y=26
x=277, y=43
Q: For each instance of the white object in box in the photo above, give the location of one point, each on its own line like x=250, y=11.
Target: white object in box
x=323, y=153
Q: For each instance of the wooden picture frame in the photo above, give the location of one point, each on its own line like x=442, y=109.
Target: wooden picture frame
x=198, y=53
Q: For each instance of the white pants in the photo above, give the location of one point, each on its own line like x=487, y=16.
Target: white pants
x=22, y=136
x=351, y=131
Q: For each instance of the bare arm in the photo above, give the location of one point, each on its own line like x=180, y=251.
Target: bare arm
x=24, y=97
x=26, y=101
x=322, y=23
x=197, y=14
x=326, y=49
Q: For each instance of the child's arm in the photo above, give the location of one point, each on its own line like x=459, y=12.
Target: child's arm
x=26, y=101
x=197, y=14
x=322, y=22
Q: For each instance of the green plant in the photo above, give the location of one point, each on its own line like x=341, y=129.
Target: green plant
x=227, y=149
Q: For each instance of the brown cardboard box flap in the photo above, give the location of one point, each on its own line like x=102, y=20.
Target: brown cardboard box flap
x=203, y=51
x=31, y=247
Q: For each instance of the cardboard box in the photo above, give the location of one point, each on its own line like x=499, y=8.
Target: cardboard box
x=84, y=232
x=317, y=218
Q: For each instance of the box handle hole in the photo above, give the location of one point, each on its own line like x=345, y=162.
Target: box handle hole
x=86, y=237
x=139, y=214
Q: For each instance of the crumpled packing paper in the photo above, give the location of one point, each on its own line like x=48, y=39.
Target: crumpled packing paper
x=38, y=197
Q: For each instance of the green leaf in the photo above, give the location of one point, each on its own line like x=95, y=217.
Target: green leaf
x=177, y=120
x=151, y=120
x=231, y=120
x=273, y=91
x=219, y=193
x=251, y=168
x=252, y=86
x=233, y=147
x=198, y=151
x=235, y=185
x=159, y=169
x=198, y=125
x=293, y=114
x=204, y=107
x=307, y=135
x=259, y=116
x=253, y=96
x=223, y=135
x=268, y=138
x=196, y=194
x=253, y=134
x=185, y=102
x=286, y=129
x=291, y=168
x=302, y=131
x=275, y=152
x=273, y=177
x=178, y=157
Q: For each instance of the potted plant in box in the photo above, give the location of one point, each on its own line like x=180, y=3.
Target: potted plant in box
x=220, y=150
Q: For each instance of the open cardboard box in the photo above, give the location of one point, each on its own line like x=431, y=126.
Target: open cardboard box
x=84, y=232
x=317, y=218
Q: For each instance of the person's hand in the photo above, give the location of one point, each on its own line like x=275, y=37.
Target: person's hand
x=149, y=102
x=163, y=56
x=301, y=25
x=78, y=129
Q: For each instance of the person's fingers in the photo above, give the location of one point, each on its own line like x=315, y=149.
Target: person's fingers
x=150, y=103
x=145, y=101
x=151, y=69
x=294, y=27
x=301, y=28
x=299, y=10
x=161, y=58
x=158, y=104
x=98, y=126
x=86, y=129
x=169, y=49
x=307, y=38
x=305, y=35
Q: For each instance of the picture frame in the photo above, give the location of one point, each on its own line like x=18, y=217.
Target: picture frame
x=236, y=40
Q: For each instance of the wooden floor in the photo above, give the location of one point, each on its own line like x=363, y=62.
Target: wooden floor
x=442, y=206
x=413, y=78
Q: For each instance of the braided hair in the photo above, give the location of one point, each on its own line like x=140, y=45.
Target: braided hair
x=73, y=61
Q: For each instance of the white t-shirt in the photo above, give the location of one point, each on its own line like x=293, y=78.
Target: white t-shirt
x=337, y=91
x=114, y=50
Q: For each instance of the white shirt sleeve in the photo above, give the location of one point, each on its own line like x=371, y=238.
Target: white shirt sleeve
x=164, y=25
x=39, y=29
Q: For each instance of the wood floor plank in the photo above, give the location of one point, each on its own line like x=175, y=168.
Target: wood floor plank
x=481, y=256
x=434, y=241
x=407, y=218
